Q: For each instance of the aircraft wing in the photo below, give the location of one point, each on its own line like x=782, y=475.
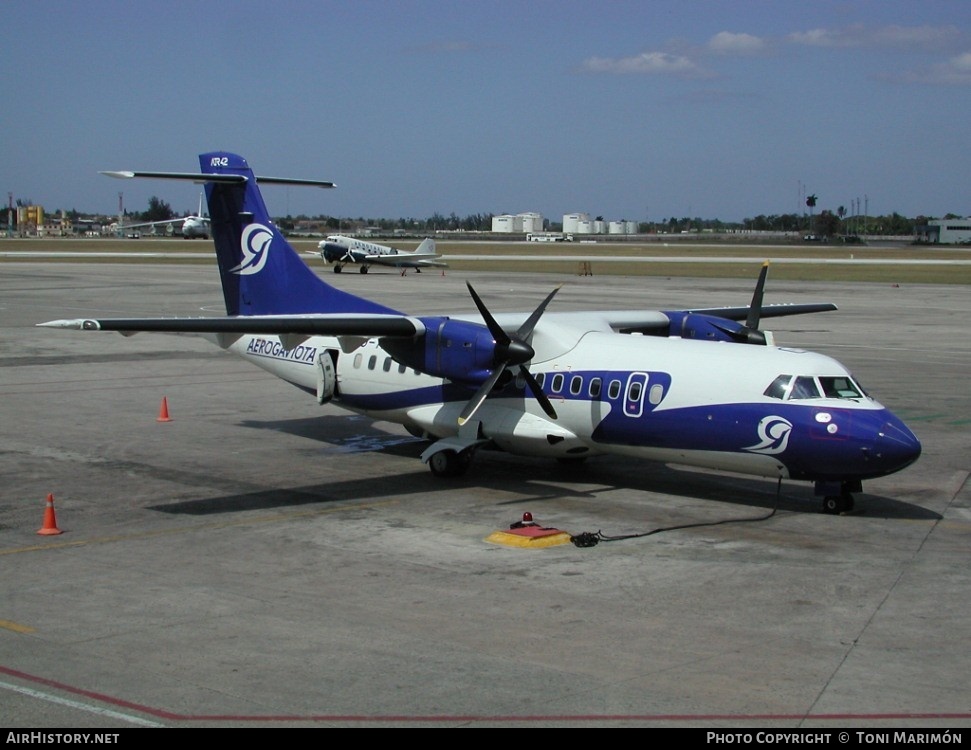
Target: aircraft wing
x=161, y=223
x=626, y=321
x=768, y=311
x=406, y=260
x=373, y=325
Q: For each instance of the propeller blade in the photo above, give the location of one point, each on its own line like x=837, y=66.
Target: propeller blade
x=473, y=404
x=526, y=329
x=495, y=329
x=755, y=309
x=537, y=392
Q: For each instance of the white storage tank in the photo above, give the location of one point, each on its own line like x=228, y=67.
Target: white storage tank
x=504, y=223
x=531, y=222
x=571, y=222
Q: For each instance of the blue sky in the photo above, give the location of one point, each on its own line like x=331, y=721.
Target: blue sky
x=626, y=110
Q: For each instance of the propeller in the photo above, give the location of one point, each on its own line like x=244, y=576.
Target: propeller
x=755, y=309
x=750, y=333
x=510, y=351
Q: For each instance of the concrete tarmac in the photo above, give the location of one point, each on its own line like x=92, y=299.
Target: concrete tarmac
x=262, y=561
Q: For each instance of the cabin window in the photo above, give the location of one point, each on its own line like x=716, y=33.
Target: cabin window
x=655, y=394
x=358, y=358
x=401, y=368
x=540, y=378
x=557, y=382
x=372, y=362
x=594, y=390
x=576, y=385
x=613, y=390
x=387, y=364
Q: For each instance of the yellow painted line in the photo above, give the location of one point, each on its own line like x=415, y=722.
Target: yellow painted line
x=16, y=627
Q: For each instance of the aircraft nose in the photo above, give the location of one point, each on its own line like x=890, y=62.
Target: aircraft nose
x=896, y=446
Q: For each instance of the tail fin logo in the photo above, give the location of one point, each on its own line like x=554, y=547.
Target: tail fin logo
x=773, y=436
x=255, y=244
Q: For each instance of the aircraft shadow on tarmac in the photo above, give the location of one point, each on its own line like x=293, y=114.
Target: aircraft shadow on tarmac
x=535, y=480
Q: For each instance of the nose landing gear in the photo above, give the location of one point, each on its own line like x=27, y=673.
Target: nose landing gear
x=838, y=496
x=836, y=504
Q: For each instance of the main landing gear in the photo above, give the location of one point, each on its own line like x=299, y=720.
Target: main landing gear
x=450, y=463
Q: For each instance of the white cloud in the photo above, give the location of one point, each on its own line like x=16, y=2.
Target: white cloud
x=646, y=63
x=727, y=43
x=954, y=72
x=887, y=36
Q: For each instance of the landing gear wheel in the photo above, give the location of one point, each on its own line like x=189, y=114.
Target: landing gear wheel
x=337, y=269
x=836, y=504
x=449, y=463
x=363, y=269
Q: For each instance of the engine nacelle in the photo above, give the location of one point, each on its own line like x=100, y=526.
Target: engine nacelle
x=689, y=325
x=458, y=350
x=331, y=251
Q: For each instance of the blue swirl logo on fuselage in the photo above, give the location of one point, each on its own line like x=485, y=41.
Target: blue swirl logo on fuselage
x=774, y=435
x=255, y=245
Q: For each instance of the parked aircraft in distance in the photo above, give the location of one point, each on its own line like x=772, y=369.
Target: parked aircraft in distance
x=697, y=387
x=192, y=226
x=341, y=250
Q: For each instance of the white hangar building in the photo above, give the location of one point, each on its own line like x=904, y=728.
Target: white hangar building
x=945, y=231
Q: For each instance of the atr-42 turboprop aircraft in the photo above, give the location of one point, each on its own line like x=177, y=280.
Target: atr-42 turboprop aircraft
x=341, y=250
x=703, y=387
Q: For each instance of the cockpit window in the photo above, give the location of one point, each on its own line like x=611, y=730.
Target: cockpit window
x=789, y=387
x=804, y=387
x=841, y=387
x=778, y=387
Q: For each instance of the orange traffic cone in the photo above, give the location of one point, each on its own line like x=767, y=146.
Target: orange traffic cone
x=163, y=412
x=50, y=522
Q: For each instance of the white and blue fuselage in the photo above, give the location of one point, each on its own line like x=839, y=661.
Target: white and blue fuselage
x=663, y=399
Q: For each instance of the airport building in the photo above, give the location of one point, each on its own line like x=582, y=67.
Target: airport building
x=944, y=232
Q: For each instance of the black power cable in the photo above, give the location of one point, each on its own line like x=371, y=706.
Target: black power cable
x=592, y=539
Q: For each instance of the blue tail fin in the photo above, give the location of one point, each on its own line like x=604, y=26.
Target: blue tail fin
x=261, y=273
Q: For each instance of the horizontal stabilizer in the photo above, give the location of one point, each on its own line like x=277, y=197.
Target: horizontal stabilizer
x=224, y=178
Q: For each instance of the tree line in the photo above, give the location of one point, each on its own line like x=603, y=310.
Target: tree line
x=826, y=223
